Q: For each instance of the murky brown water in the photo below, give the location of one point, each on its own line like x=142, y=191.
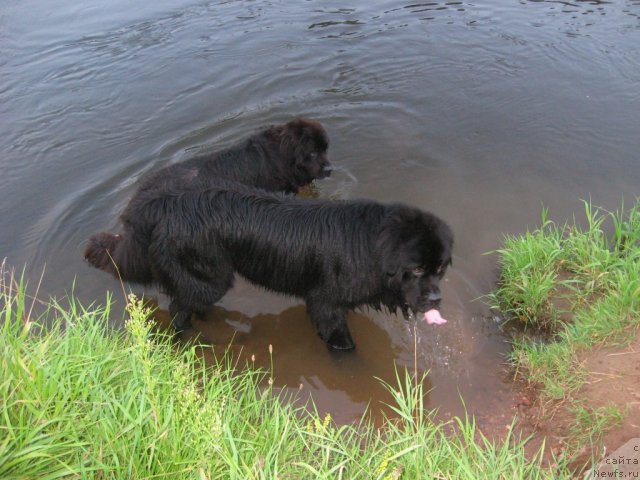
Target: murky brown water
x=480, y=112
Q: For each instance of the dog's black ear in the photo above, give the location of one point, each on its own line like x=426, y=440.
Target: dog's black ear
x=291, y=140
x=389, y=245
x=391, y=263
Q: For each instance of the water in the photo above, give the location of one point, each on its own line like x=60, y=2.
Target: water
x=480, y=112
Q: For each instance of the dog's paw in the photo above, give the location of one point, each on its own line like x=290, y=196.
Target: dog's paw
x=341, y=340
x=182, y=321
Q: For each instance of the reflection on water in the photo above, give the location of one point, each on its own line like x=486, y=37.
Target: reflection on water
x=481, y=113
x=301, y=361
x=348, y=384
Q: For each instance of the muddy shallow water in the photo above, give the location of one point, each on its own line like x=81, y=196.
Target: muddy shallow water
x=481, y=113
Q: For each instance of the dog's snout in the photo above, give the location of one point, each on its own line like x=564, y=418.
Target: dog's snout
x=434, y=296
x=325, y=169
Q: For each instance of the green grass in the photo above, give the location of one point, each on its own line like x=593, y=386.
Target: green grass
x=530, y=266
x=79, y=400
x=580, y=283
x=590, y=424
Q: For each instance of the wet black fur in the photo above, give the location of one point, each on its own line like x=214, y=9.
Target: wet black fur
x=279, y=158
x=336, y=255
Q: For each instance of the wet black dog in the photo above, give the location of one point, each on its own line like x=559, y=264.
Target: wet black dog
x=336, y=255
x=279, y=158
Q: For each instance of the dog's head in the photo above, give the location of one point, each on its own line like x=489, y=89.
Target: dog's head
x=304, y=143
x=415, y=249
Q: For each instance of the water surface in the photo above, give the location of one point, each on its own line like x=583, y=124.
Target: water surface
x=479, y=112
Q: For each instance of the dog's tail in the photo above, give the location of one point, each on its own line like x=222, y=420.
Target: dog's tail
x=120, y=255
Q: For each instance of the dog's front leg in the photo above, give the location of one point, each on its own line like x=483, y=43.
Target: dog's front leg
x=331, y=324
x=340, y=339
x=181, y=318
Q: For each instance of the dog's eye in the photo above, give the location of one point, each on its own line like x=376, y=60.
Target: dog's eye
x=418, y=271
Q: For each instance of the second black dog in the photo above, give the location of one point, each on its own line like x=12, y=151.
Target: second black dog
x=279, y=158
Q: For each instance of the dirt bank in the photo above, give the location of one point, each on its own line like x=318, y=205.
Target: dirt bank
x=613, y=383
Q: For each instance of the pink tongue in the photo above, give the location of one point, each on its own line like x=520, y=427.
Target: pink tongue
x=433, y=317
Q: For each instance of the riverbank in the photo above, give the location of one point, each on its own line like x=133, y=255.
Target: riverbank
x=82, y=400
x=572, y=291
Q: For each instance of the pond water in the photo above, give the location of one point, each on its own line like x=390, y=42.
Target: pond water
x=481, y=112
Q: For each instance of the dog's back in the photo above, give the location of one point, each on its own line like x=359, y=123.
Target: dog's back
x=296, y=241
x=268, y=159
x=236, y=163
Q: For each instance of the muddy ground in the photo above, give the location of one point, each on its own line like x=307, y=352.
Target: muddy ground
x=613, y=379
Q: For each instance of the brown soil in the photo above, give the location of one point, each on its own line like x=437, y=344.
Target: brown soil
x=613, y=379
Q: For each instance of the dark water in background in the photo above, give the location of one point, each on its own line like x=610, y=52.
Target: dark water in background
x=480, y=112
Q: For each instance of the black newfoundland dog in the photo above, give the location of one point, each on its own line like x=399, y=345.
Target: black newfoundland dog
x=280, y=158
x=336, y=255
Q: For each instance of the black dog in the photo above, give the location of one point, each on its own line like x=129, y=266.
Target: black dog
x=336, y=255
x=279, y=158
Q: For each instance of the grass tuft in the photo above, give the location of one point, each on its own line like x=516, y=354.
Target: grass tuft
x=530, y=266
